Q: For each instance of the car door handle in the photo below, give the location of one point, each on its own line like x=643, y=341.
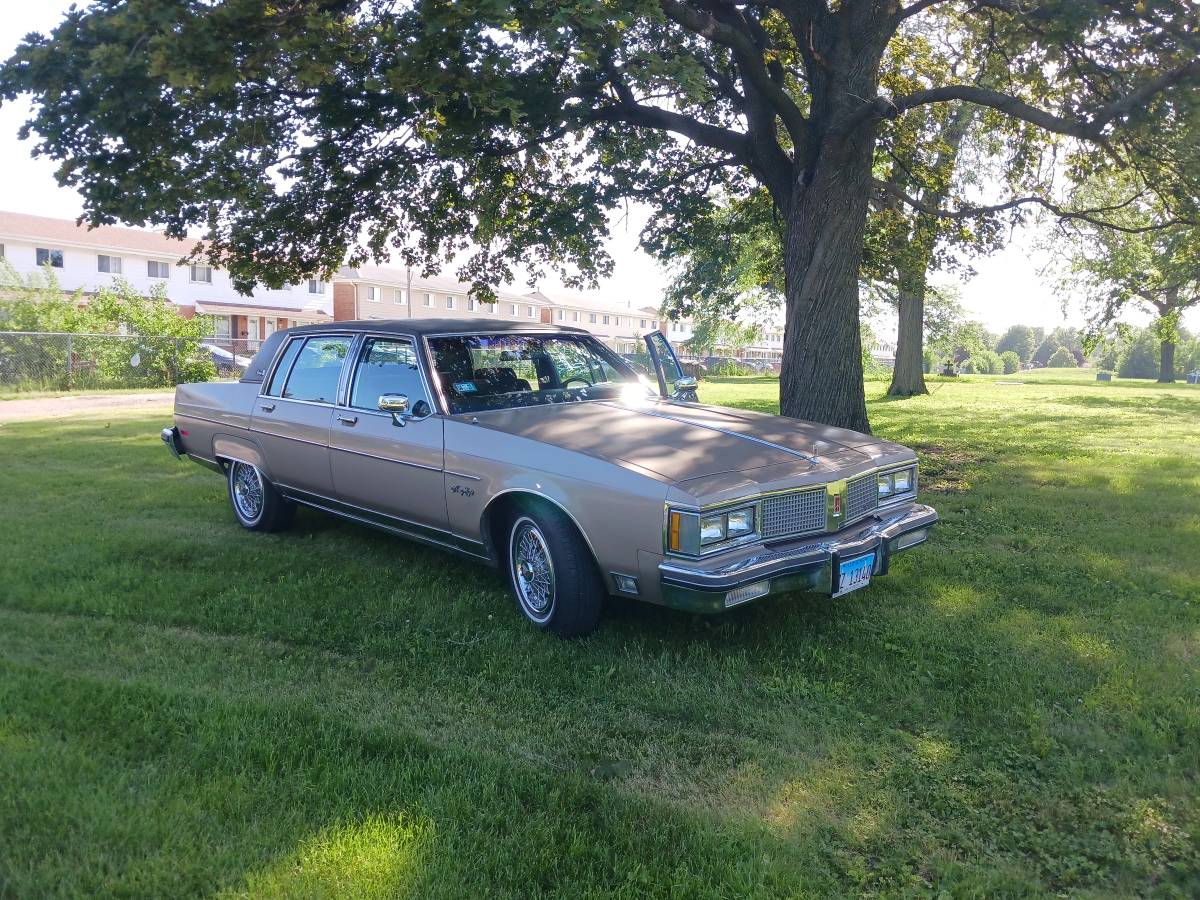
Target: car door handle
x=267, y=407
x=348, y=420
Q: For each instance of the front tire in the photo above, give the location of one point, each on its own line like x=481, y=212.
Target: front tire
x=552, y=573
x=257, y=505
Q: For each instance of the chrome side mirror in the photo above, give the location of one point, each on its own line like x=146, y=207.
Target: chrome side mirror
x=396, y=404
x=684, y=389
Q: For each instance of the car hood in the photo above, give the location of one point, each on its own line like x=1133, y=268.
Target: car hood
x=680, y=441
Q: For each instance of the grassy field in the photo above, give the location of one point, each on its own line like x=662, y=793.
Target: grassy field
x=187, y=708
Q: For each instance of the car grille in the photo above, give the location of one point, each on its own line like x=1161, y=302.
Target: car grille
x=800, y=513
x=862, y=497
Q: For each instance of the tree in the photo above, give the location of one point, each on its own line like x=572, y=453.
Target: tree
x=1010, y=362
x=1020, y=340
x=1138, y=359
x=1061, y=358
x=304, y=135
x=1143, y=262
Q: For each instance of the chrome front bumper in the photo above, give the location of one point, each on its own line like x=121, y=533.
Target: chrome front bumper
x=807, y=564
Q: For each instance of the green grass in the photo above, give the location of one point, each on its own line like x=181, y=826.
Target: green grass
x=190, y=709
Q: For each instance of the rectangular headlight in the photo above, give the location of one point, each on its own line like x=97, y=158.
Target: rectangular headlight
x=740, y=522
x=902, y=481
x=885, y=486
x=712, y=529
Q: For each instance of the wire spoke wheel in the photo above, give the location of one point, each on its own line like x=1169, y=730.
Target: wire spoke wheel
x=247, y=492
x=532, y=570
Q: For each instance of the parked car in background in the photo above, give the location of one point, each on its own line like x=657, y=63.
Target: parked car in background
x=538, y=450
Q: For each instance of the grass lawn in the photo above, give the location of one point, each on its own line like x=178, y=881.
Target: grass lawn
x=187, y=708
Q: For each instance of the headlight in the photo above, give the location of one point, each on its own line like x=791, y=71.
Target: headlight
x=689, y=532
x=740, y=522
x=895, y=483
x=885, y=486
x=712, y=529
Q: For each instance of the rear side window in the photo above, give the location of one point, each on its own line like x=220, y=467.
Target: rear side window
x=285, y=365
x=314, y=376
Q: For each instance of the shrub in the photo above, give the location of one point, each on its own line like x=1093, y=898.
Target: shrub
x=1140, y=358
x=1010, y=362
x=1062, y=358
x=726, y=368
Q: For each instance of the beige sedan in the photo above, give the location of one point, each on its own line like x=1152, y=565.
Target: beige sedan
x=538, y=450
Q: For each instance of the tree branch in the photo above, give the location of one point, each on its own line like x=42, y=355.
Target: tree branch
x=1090, y=129
x=749, y=59
x=1084, y=215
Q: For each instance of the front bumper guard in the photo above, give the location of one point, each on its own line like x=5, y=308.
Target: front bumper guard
x=805, y=566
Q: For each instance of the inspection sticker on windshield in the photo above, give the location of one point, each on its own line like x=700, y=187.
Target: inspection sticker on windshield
x=465, y=387
x=854, y=574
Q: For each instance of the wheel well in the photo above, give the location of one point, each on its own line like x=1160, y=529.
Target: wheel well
x=504, y=506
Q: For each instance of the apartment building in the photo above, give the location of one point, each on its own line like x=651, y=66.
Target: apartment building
x=619, y=324
x=378, y=292
x=87, y=260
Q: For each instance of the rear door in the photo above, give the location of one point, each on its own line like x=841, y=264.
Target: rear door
x=390, y=464
x=292, y=414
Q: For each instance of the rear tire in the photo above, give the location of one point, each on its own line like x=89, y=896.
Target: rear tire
x=552, y=572
x=257, y=505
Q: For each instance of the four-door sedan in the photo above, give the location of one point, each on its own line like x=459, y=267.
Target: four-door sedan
x=538, y=450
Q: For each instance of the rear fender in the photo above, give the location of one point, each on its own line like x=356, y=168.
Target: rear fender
x=228, y=448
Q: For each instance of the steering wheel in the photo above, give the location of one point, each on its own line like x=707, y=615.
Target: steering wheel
x=579, y=378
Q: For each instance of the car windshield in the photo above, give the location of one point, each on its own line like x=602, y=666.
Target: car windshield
x=500, y=371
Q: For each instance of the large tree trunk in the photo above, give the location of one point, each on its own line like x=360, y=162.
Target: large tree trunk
x=1166, y=366
x=822, y=375
x=908, y=378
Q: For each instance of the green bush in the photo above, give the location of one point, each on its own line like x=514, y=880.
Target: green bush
x=1010, y=362
x=1140, y=358
x=1062, y=358
x=727, y=368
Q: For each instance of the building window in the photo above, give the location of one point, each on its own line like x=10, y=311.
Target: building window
x=49, y=257
x=592, y=318
x=429, y=299
x=512, y=309
x=1, y=251
x=654, y=326
x=449, y=303
x=575, y=315
x=529, y=311
x=399, y=297
x=202, y=274
x=372, y=293
x=158, y=269
x=643, y=325
x=471, y=304
x=316, y=286
x=605, y=320
x=109, y=264
x=558, y=314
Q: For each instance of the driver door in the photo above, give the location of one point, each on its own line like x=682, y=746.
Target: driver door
x=673, y=384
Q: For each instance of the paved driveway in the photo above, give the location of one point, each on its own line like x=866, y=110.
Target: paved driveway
x=54, y=407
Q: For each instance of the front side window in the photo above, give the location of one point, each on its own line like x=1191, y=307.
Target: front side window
x=202, y=274
x=48, y=256
x=315, y=373
x=110, y=264
x=499, y=371
x=387, y=366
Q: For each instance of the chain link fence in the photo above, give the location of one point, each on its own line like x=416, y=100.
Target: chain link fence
x=47, y=361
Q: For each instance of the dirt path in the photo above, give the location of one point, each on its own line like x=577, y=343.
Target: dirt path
x=54, y=407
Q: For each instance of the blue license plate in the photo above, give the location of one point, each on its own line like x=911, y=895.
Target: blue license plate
x=854, y=574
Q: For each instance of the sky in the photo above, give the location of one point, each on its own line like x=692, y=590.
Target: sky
x=1007, y=288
